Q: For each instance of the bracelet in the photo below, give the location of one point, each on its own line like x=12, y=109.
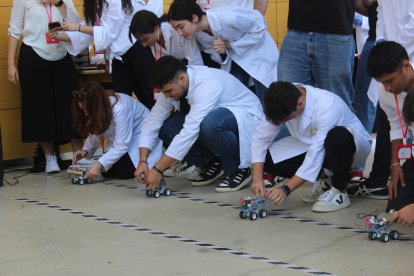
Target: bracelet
x=79, y=27
x=142, y=161
x=158, y=169
x=395, y=164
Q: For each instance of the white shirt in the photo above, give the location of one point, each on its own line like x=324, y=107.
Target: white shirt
x=207, y=4
x=208, y=89
x=177, y=46
x=252, y=47
x=112, y=34
x=29, y=19
x=123, y=134
x=396, y=23
x=323, y=111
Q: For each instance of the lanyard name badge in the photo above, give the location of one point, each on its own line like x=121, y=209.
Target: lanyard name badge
x=155, y=91
x=50, y=40
x=207, y=7
x=404, y=151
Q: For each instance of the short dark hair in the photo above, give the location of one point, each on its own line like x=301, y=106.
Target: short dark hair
x=280, y=100
x=184, y=10
x=408, y=108
x=386, y=58
x=166, y=70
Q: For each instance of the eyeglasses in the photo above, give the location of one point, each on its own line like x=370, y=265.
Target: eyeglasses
x=81, y=92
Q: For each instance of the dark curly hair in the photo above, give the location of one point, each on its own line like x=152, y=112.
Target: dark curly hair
x=166, y=70
x=386, y=58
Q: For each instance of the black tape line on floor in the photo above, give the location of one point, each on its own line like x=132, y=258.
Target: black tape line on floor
x=178, y=238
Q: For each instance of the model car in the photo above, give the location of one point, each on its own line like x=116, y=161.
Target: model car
x=250, y=207
x=378, y=227
x=77, y=174
x=160, y=190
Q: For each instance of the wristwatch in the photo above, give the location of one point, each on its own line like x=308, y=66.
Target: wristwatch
x=286, y=189
x=59, y=3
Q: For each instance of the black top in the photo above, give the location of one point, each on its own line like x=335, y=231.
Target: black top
x=321, y=16
x=372, y=20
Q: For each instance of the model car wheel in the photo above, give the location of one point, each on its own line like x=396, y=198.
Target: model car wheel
x=148, y=193
x=81, y=181
x=385, y=237
x=167, y=192
x=253, y=216
x=263, y=213
x=372, y=236
x=74, y=181
x=394, y=234
x=243, y=215
x=156, y=194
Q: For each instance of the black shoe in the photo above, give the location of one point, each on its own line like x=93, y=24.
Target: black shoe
x=235, y=181
x=363, y=189
x=208, y=174
x=39, y=161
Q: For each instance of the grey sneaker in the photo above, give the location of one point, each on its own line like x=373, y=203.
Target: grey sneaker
x=51, y=164
x=319, y=187
x=179, y=168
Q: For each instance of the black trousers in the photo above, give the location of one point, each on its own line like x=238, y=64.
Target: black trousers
x=339, y=153
x=133, y=72
x=405, y=195
x=124, y=168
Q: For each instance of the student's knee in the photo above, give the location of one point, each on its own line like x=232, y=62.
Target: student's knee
x=338, y=137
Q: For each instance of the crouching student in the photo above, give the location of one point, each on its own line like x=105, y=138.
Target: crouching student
x=212, y=127
x=116, y=119
x=389, y=64
x=324, y=134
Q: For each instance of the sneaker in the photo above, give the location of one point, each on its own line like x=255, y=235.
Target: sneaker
x=361, y=190
x=319, y=187
x=179, y=168
x=235, y=181
x=85, y=162
x=51, y=164
x=271, y=180
x=330, y=201
x=208, y=174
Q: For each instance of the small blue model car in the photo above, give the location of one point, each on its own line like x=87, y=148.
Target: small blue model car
x=378, y=227
x=77, y=173
x=250, y=207
x=161, y=189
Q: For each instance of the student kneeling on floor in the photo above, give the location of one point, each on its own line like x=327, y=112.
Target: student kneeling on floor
x=211, y=128
x=324, y=133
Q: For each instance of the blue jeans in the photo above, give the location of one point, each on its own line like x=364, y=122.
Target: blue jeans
x=322, y=60
x=219, y=136
x=364, y=108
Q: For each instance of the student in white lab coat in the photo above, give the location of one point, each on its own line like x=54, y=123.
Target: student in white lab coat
x=389, y=64
x=260, y=5
x=163, y=40
x=212, y=127
x=114, y=118
x=106, y=23
x=238, y=34
x=324, y=133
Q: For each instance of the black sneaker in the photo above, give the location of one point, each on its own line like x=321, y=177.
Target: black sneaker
x=208, y=174
x=363, y=190
x=235, y=181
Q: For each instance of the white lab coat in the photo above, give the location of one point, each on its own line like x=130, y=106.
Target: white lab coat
x=207, y=4
x=208, y=89
x=112, y=33
x=323, y=111
x=123, y=134
x=177, y=46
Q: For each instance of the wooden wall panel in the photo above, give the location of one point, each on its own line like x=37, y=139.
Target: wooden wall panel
x=9, y=94
x=281, y=17
x=271, y=19
x=4, y=26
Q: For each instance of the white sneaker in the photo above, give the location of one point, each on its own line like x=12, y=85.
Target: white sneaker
x=51, y=164
x=320, y=186
x=330, y=201
x=179, y=168
x=85, y=162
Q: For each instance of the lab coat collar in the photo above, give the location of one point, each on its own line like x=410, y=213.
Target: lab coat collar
x=305, y=118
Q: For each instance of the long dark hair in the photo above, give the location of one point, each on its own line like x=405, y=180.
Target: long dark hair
x=143, y=22
x=90, y=6
x=184, y=10
x=95, y=116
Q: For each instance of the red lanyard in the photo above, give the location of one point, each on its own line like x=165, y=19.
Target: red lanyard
x=207, y=6
x=156, y=58
x=49, y=14
x=102, y=143
x=404, y=133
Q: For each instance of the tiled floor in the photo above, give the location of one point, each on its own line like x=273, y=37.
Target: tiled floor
x=51, y=227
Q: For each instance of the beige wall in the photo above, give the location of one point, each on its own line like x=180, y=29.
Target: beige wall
x=276, y=16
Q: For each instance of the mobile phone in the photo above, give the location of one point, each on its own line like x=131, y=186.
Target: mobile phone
x=53, y=25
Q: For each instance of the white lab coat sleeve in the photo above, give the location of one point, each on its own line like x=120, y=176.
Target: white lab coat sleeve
x=17, y=19
x=311, y=166
x=380, y=30
x=71, y=13
x=203, y=102
x=92, y=143
x=154, y=121
x=262, y=139
x=111, y=23
x=387, y=103
x=192, y=52
x=253, y=27
x=123, y=127
x=406, y=34
x=78, y=41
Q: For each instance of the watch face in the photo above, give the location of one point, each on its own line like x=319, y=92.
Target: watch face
x=286, y=189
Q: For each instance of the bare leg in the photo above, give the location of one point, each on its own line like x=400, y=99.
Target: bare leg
x=77, y=144
x=47, y=147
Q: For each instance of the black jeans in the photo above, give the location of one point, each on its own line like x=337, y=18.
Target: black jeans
x=339, y=152
x=405, y=195
x=122, y=169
